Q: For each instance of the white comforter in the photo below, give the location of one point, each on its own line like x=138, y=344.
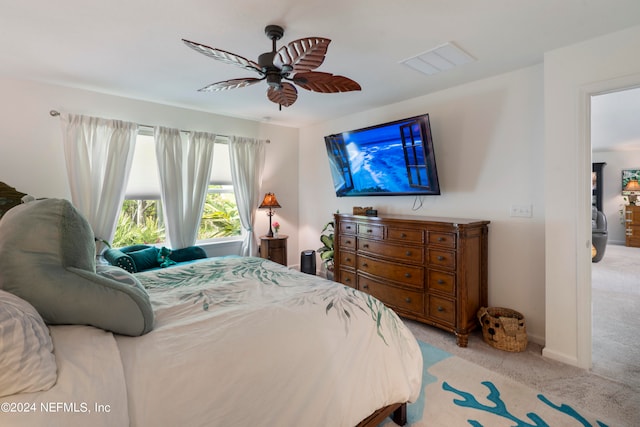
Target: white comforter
x=90, y=390
x=247, y=342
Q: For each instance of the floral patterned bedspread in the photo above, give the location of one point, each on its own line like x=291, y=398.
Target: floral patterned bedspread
x=248, y=342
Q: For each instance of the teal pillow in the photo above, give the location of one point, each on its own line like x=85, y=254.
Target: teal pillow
x=120, y=259
x=48, y=258
x=145, y=259
x=187, y=254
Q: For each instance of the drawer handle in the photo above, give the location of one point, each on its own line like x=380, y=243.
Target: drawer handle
x=348, y=259
x=407, y=299
x=348, y=242
x=440, y=239
x=365, y=286
x=403, y=235
x=440, y=282
x=369, y=230
x=348, y=280
x=364, y=264
x=408, y=253
x=407, y=275
x=440, y=258
x=440, y=308
x=365, y=245
x=348, y=227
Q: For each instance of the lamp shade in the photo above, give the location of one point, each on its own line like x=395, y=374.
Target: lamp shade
x=632, y=187
x=269, y=201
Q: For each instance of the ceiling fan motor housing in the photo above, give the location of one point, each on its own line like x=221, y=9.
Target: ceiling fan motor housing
x=272, y=73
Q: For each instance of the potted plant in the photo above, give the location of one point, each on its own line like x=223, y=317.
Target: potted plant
x=326, y=251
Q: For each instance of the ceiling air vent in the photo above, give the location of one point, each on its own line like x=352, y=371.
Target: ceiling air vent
x=441, y=58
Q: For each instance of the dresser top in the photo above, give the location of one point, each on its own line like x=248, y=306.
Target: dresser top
x=416, y=218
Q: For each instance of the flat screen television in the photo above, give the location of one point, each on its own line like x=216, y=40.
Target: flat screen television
x=388, y=159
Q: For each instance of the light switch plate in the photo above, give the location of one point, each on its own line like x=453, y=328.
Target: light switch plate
x=522, y=211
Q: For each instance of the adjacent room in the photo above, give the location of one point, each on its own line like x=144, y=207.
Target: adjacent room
x=319, y=213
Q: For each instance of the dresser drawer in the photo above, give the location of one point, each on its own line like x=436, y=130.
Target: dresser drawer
x=442, y=239
x=347, y=259
x=402, y=299
x=347, y=242
x=406, y=274
x=441, y=282
x=442, y=309
x=373, y=231
x=442, y=258
x=403, y=253
x=405, y=235
x=348, y=278
x=348, y=227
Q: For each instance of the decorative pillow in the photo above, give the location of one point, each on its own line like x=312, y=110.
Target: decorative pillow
x=27, y=362
x=120, y=259
x=187, y=254
x=145, y=258
x=47, y=257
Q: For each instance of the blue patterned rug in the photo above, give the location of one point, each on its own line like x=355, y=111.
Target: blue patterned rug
x=456, y=392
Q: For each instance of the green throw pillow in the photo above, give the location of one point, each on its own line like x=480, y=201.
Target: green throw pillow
x=145, y=258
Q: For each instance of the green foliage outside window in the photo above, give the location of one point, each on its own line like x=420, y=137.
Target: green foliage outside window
x=141, y=222
x=138, y=223
x=220, y=217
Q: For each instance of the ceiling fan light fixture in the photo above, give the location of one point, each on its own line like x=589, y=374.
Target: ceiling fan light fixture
x=438, y=59
x=300, y=57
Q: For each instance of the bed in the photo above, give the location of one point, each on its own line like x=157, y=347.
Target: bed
x=235, y=341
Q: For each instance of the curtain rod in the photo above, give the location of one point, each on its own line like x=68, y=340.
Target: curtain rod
x=55, y=113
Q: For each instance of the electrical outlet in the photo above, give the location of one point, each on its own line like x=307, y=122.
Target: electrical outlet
x=523, y=211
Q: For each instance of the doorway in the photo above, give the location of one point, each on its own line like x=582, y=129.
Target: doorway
x=615, y=294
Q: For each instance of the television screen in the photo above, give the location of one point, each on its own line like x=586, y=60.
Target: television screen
x=394, y=158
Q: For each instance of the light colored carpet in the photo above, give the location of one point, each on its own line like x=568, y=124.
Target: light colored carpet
x=615, y=298
x=615, y=403
x=456, y=392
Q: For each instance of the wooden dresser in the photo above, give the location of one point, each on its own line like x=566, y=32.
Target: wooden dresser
x=433, y=270
x=632, y=225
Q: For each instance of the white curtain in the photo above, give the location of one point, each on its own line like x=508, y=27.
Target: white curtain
x=247, y=164
x=184, y=166
x=98, y=153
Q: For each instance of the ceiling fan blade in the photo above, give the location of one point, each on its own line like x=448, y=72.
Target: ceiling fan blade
x=324, y=82
x=302, y=55
x=224, y=56
x=285, y=96
x=230, y=84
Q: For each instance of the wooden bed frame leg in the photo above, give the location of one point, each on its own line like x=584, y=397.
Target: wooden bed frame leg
x=399, y=416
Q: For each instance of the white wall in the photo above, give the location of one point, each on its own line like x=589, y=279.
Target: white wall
x=32, y=159
x=488, y=138
x=571, y=75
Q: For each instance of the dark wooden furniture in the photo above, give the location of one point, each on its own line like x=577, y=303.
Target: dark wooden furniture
x=597, y=184
x=274, y=248
x=433, y=270
x=397, y=412
x=632, y=225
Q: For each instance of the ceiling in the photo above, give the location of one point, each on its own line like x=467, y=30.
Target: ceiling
x=134, y=48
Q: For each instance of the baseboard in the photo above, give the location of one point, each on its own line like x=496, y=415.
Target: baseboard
x=536, y=339
x=560, y=357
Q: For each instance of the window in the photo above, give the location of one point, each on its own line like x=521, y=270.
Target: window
x=141, y=219
x=220, y=216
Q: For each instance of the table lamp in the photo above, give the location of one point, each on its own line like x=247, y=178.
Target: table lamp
x=270, y=202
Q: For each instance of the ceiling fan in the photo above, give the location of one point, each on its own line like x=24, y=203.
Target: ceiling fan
x=293, y=63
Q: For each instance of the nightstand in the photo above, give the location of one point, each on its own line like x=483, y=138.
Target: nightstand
x=274, y=248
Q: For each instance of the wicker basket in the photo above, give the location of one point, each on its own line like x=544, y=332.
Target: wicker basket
x=503, y=328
